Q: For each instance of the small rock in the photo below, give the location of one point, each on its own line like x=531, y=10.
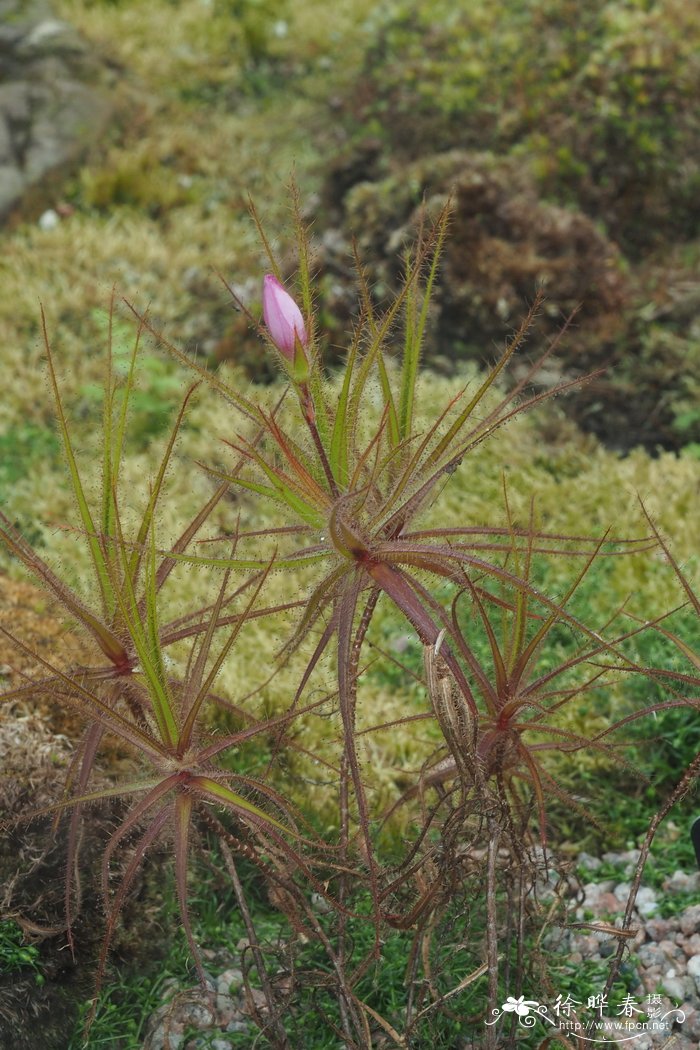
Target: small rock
x=198, y=1015
x=691, y=1025
x=49, y=36
x=692, y=945
x=671, y=950
x=675, y=987
x=320, y=904
x=651, y=955
x=157, y=1041
x=629, y=858
x=48, y=220
x=659, y=929
x=608, y=904
x=585, y=860
x=690, y=920
x=646, y=902
x=693, y=969
x=622, y=891
x=643, y=1041
x=678, y=883
x=229, y=981
x=587, y=946
x=651, y=979
x=225, y=1008
x=238, y=1026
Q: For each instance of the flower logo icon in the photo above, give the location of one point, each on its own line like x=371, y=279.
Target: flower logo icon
x=520, y=1006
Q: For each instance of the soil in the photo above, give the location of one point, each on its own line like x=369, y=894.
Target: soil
x=29, y=614
x=36, y=745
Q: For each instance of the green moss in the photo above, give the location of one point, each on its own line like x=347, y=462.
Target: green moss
x=21, y=449
x=137, y=181
x=600, y=100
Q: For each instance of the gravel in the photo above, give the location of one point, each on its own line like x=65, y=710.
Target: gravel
x=661, y=964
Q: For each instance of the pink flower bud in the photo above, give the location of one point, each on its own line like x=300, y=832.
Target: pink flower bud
x=282, y=317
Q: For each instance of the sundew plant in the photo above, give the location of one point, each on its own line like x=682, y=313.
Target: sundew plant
x=355, y=476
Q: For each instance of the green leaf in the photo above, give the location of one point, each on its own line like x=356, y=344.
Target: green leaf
x=219, y=791
x=83, y=507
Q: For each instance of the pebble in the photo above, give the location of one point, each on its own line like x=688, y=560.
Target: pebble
x=590, y=863
x=690, y=920
x=664, y=960
x=680, y=882
x=693, y=969
x=674, y=986
x=692, y=945
x=628, y=858
x=646, y=902
x=651, y=955
x=691, y=1025
x=195, y=1009
x=659, y=929
x=664, y=955
x=229, y=981
x=238, y=1026
x=608, y=904
x=671, y=949
x=48, y=220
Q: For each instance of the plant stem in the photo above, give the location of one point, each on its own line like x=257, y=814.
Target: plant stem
x=492, y=929
x=678, y=793
x=310, y=417
x=274, y=1025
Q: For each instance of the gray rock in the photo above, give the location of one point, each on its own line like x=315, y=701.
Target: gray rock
x=229, y=981
x=659, y=929
x=692, y=945
x=651, y=955
x=690, y=920
x=678, y=883
x=12, y=185
x=54, y=97
x=693, y=969
x=691, y=1026
x=225, y=1007
x=628, y=858
x=671, y=949
x=50, y=36
x=238, y=1026
x=622, y=890
x=585, y=860
x=49, y=219
x=675, y=987
x=646, y=902
x=198, y=1015
x=157, y=1040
